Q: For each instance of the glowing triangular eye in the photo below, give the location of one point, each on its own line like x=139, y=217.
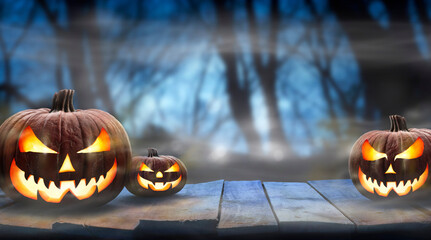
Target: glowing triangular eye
x=28, y=142
x=370, y=154
x=174, y=168
x=101, y=144
x=145, y=168
x=414, y=151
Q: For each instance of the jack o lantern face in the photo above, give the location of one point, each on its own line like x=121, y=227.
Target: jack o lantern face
x=40, y=170
x=404, y=172
x=160, y=179
x=156, y=176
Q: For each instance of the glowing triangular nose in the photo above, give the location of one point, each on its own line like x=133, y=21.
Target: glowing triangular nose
x=159, y=175
x=67, y=165
x=390, y=170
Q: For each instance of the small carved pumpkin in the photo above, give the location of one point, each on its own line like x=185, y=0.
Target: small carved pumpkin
x=61, y=156
x=391, y=163
x=156, y=175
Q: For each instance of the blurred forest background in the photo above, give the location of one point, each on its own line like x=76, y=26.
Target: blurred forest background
x=264, y=89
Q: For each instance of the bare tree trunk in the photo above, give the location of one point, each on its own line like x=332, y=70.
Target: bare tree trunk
x=267, y=72
x=239, y=96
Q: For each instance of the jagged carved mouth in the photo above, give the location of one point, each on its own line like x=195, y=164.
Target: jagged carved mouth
x=30, y=188
x=383, y=189
x=157, y=186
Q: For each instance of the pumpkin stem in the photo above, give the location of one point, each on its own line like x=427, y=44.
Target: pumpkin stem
x=152, y=152
x=398, y=123
x=63, y=101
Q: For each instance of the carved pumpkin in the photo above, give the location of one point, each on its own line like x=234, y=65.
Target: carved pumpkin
x=391, y=163
x=156, y=175
x=61, y=156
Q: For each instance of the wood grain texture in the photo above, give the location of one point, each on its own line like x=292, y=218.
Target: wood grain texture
x=194, y=210
x=300, y=209
x=245, y=209
x=371, y=215
x=27, y=216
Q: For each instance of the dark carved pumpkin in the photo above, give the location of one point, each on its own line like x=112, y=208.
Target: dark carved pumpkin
x=391, y=163
x=156, y=175
x=63, y=157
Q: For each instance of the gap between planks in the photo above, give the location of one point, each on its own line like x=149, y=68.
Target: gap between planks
x=270, y=205
x=329, y=201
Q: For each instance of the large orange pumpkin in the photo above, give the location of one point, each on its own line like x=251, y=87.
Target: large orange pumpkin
x=392, y=163
x=62, y=156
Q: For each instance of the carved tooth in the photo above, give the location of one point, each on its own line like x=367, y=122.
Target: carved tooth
x=370, y=183
x=52, y=186
x=41, y=184
x=36, y=176
x=27, y=175
x=415, y=181
x=401, y=184
x=408, y=183
x=30, y=180
x=88, y=179
x=384, y=184
x=45, y=182
x=81, y=184
x=100, y=180
x=57, y=183
x=158, y=185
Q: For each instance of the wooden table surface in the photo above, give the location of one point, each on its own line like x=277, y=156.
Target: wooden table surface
x=227, y=209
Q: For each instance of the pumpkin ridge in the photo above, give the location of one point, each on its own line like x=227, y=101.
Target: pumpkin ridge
x=99, y=127
x=83, y=136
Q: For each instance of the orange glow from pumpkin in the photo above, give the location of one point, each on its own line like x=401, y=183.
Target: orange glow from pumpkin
x=401, y=188
x=363, y=180
x=29, y=188
x=67, y=165
x=158, y=186
x=28, y=142
x=145, y=168
x=414, y=151
x=370, y=154
x=174, y=168
x=101, y=144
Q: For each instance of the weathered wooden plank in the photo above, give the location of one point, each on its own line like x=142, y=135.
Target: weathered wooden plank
x=300, y=209
x=25, y=221
x=194, y=210
x=371, y=215
x=245, y=209
x=27, y=216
